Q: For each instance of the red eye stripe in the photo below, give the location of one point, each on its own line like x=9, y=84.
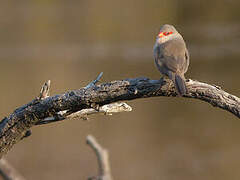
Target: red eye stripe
x=162, y=34
x=167, y=33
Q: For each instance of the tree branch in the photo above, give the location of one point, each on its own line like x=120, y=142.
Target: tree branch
x=59, y=107
x=103, y=159
x=107, y=109
x=8, y=172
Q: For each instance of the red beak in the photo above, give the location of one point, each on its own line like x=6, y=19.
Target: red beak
x=160, y=34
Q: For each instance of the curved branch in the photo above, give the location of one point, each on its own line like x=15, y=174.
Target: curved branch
x=59, y=107
x=102, y=157
x=8, y=172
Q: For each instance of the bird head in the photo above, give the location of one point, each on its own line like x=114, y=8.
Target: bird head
x=167, y=32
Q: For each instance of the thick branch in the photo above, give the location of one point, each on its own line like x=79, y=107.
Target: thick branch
x=14, y=127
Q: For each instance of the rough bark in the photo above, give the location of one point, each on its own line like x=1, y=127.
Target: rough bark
x=14, y=127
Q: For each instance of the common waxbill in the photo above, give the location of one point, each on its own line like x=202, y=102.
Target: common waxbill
x=171, y=56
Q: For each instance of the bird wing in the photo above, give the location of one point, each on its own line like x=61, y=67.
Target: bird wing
x=187, y=57
x=173, y=54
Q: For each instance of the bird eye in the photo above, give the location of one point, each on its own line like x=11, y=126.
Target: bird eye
x=167, y=33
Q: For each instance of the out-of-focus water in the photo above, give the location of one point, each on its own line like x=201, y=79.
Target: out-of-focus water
x=70, y=42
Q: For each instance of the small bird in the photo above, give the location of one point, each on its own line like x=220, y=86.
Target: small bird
x=172, y=57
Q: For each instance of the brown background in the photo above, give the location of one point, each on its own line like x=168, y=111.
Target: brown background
x=70, y=42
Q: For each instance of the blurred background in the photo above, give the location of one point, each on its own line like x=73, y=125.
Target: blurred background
x=71, y=42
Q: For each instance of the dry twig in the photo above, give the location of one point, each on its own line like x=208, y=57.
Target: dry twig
x=103, y=159
x=8, y=172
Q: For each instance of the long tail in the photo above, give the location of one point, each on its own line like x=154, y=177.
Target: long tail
x=180, y=84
